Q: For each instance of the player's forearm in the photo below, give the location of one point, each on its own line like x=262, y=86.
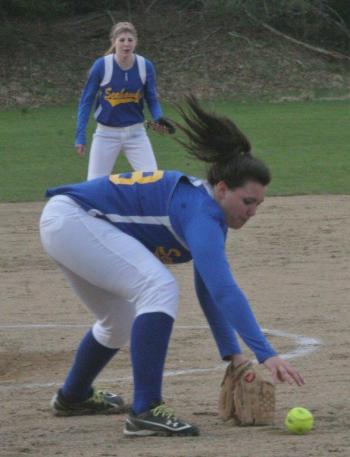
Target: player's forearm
x=151, y=97
x=85, y=105
x=154, y=107
x=222, y=331
x=233, y=306
x=241, y=317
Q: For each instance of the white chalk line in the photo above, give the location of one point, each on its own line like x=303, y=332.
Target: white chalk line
x=303, y=346
x=44, y=326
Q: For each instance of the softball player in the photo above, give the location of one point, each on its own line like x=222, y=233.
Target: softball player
x=112, y=236
x=122, y=81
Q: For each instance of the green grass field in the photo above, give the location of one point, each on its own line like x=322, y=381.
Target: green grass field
x=306, y=145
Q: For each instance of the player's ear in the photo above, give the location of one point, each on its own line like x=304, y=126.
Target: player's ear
x=220, y=189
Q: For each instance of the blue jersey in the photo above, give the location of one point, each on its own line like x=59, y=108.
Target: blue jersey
x=139, y=210
x=176, y=217
x=120, y=102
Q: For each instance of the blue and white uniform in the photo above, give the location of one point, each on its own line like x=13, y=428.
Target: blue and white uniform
x=119, y=113
x=112, y=237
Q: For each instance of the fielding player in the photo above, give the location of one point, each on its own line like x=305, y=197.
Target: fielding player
x=122, y=80
x=112, y=236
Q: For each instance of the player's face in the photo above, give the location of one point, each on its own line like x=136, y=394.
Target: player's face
x=125, y=44
x=240, y=204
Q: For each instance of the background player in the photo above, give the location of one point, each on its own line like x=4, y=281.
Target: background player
x=111, y=237
x=123, y=81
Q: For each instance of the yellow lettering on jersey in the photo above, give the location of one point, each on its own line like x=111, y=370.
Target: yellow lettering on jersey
x=117, y=98
x=137, y=177
x=166, y=256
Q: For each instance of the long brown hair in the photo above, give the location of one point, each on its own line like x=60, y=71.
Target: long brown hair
x=218, y=141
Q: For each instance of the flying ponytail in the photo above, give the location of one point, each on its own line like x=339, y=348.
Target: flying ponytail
x=217, y=141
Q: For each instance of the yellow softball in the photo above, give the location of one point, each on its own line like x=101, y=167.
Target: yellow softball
x=299, y=420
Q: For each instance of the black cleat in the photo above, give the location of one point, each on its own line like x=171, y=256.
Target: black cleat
x=158, y=421
x=99, y=403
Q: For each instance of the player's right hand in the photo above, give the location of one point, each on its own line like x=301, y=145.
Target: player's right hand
x=282, y=371
x=81, y=149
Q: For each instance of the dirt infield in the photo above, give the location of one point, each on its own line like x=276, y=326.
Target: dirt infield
x=292, y=260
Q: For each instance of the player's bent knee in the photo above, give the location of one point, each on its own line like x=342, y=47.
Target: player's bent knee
x=112, y=338
x=162, y=298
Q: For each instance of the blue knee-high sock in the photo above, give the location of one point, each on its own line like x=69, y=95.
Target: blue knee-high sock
x=90, y=359
x=149, y=344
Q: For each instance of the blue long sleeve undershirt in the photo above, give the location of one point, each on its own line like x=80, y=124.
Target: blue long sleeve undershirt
x=87, y=99
x=201, y=224
x=224, y=334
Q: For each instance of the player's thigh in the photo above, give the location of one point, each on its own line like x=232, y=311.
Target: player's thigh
x=104, y=256
x=114, y=314
x=139, y=152
x=104, y=152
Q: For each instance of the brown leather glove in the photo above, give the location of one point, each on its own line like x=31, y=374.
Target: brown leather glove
x=246, y=397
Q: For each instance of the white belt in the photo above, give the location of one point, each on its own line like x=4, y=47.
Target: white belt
x=106, y=128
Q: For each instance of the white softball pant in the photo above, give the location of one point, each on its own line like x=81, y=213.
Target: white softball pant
x=107, y=144
x=113, y=273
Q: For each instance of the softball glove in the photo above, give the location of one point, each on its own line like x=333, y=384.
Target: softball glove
x=162, y=125
x=246, y=397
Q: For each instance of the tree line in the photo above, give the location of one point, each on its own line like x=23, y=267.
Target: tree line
x=321, y=21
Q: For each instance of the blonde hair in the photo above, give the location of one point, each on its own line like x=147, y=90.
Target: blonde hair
x=117, y=29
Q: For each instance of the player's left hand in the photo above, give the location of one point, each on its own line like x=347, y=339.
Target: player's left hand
x=162, y=125
x=165, y=122
x=282, y=371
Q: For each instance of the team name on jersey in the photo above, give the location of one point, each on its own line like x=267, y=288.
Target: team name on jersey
x=118, y=98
